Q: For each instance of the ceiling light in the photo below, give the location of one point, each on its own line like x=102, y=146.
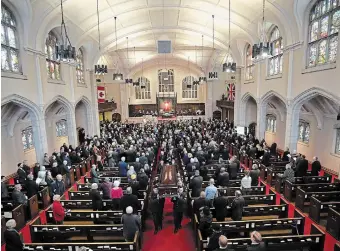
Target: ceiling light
x=99, y=69
x=117, y=75
x=228, y=66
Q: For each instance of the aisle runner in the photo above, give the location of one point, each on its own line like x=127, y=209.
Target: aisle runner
x=166, y=240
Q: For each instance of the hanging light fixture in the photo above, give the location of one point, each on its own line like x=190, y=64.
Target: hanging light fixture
x=99, y=69
x=188, y=80
x=117, y=75
x=202, y=79
x=229, y=66
x=65, y=51
x=263, y=49
x=141, y=81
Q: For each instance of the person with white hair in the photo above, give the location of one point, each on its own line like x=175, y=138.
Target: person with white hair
x=106, y=187
x=256, y=242
x=58, y=186
x=143, y=159
x=97, y=202
x=58, y=210
x=18, y=196
x=131, y=224
x=237, y=206
x=116, y=195
x=31, y=186
x=190, y=168
x=94, y=175
x=316, y=166
x=122, y=167
x=130, y=172
x=129, y=199
x=12, y=237
x=255, y=174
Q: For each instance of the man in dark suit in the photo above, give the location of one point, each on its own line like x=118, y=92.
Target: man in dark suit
x=223, y=178
x=22, y=175
x=302, y=167
x=12, y=237
x=316, y=166
x=26, y=167
x=58, y=186
x=237, y=206
x=233, y=170
x=266, y=158
x=31, y=186
x=155, y=208
x=18, y=196
x=178, y=207
x=223, y=243
x=199, y=203
x=4, y=190
x=97, y=202
x=129, y=199
x=196, y=184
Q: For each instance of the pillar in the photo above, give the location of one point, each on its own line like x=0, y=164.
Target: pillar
x=39, y=136
x=292, y=125
x=95, y=111
x=72, y=128
x=237, y=101
x=124, y=101
x=261, y=119
x=209, y=100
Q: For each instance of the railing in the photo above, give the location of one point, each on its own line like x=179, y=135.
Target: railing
x=225, y=103
x=108, y=106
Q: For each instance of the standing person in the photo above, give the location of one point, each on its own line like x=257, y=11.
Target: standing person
x=46, y=161
x=155, y=208
x=21, y=174
x=220, y=204
x=178, y=207
x=196, y=184
x=223, y=244
x=199, y=203
x=246, y=183
x=256, y=242
x=213, y=239
x=223, y=178
x=254, y=175
x=66, y=170
x=58, y=210
x=12, y=237
x=205, y=222
x=316, y=166
x=301, y=167
x=31, y=186
x=94, y=175
x=131, y=224
x=122, y=167
x=4, y=189
x=116, y=194
x=237, y=206
x=18, y=197
x=26, y=167
x=129, y=200
x=211, y=191
x=97, y=202
x=106, y=187
x=58, y=186
x=36, y=169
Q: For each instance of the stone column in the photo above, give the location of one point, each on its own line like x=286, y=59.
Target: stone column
x=292, y=127
x=124, y=101
x=95, y=111
x=39, y=136
x=71, y=121
x=237, y=101
x=209, y=100
x=261, y=119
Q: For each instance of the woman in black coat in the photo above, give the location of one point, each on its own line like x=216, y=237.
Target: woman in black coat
x=97, y=202
x=12, y=237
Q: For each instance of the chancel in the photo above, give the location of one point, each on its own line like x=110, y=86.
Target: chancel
x=170, y=125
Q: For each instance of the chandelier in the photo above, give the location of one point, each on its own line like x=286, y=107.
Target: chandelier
x=263, y=49
x=99, y=69
x=65, y=51
x=229, y=66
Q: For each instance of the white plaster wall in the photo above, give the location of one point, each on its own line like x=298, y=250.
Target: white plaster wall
x=81, y=120
x=251, y=112
x=279, y=136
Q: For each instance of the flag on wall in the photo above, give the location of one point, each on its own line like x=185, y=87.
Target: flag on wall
x=231, y=92
x=101, y=94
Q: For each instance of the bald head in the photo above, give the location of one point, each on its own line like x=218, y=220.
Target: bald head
x=223, y=241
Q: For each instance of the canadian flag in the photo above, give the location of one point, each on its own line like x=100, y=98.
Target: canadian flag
x=101, y=94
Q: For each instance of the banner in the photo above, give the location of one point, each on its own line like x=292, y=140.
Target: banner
x=101, y=94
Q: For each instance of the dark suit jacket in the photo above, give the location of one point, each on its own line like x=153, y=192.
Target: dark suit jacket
x=58, y=188
x=178, y=204
x=233, y=171
x=220, y=204
x=316, y=167
x=97, y=202
x=301, y=168
x=257, y=247
x=198, y=203
x=18, y=198
x=129, y=200
x=32, y=188
x=196, y=186
x=237, y=208
x=254, y=174
x=223, y=179
x=22, y=175
x=13, y=241
x=213, y=241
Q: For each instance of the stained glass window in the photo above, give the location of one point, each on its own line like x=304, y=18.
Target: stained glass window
x=323, y=34
x=143, y=90
x=80, y=67
x=166, y=80
x=275, y=62
x=249, y=63
x=27, y=138
x=61, y=128
x=9, y=42
x=304, y=131
x=337, y=142
x=189, y=92
x=271, y=123
x=52, y=65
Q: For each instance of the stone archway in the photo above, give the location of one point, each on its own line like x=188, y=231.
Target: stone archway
x=83, y=115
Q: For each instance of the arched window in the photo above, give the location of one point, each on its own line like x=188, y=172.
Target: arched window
x=189, y=90
x=337, y=141
x=323, y=34
x=52, y=65
x=27, y=138
x=275, y=62
x=80, y=67
x=304, y=131
x=143, y=90
x=249, y=63
x=271, y=123
x=61, y=128
x=9, y=41
x=166, y=80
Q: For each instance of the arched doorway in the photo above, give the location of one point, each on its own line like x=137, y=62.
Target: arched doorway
x=116, y=117
x=217, y=115
x=83, y=115
x=252, y=128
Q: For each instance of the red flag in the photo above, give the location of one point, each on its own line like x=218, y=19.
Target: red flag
x=101, y=94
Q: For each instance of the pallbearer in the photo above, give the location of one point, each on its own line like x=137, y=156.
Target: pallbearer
x=178, y=206
x=156, y=210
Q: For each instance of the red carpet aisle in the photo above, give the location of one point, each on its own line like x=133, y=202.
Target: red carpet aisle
x=166, y=240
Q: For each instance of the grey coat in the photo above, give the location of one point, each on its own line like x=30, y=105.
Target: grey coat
x=131, y=224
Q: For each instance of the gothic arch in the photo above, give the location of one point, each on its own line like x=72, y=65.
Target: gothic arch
x=60, y=99
x=280, y=104
x=89, y=116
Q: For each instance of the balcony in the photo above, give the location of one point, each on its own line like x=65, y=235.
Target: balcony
x=107, y=106
x=225, y=103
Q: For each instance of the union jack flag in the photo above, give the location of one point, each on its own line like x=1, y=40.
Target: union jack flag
x=231, y=92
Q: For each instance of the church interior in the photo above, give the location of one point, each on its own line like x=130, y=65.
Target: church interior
x=170, y=125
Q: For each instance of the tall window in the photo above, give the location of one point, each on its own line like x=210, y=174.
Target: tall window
x=52, y=65
x=9, y=41
x=143, y=90
x=189, y=92
x=27, y=138
x=249, y=63
x=166, y=80
x=271, y=123
x=275, y=62
x=304, y=131
x=337, y=142
x=80, y=67
x=323, y=36
x=61, y=128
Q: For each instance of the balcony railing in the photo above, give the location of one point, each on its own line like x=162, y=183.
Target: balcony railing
x=107, y=106
x=224, y=103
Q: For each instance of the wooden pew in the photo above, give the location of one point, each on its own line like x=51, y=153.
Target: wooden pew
x=111, y=179
x=232, y=183
x=337, y=247
x=45, y=197
x=94, y=246
x=319, y=205
x=279, y=184
x=87, y=186
x=313, y=242
x=3, y=229
x=303, y=193
x=333, y=223
x=290, y=188
x=85, y=194
x=33, y=206
x=269, y=199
